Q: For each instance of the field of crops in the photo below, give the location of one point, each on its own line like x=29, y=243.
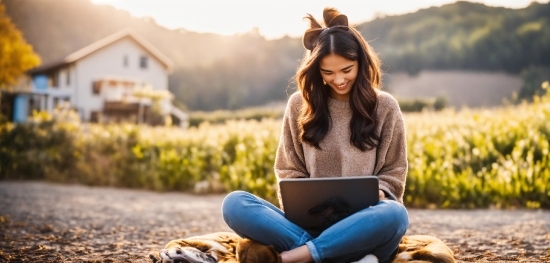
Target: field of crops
x=457, y=159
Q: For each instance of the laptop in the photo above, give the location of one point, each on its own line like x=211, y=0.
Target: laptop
x=316, y=203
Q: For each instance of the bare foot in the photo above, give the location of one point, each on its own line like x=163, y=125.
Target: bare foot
x=297, y=255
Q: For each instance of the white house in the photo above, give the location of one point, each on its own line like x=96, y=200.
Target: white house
x=102, y=81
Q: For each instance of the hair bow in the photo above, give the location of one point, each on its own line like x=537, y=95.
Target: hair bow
x=332, y=18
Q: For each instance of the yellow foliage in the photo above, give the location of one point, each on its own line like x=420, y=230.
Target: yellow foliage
x=16, y=56
x=457, y=159
x=530, y=27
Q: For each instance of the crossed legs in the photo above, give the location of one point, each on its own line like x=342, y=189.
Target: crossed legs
x=375, y=230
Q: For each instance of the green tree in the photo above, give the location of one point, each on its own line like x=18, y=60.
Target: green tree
x=16, y=56
x=533, y=77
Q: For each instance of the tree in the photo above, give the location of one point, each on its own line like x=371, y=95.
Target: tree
x=533, y=78
x=16, y=56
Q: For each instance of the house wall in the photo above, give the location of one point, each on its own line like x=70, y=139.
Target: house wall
x=62, y=91
x=109, y=62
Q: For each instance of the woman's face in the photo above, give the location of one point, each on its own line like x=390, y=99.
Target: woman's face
x=339, y=73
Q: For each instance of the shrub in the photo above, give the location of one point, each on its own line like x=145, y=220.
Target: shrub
x=465, y=159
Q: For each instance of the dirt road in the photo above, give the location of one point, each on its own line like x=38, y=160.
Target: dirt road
x=43, y=222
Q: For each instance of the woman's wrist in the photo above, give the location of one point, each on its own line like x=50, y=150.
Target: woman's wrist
x=381, y=195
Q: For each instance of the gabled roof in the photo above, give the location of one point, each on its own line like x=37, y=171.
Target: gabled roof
x=92, y=48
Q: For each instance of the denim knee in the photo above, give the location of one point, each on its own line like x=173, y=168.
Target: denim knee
x=400, y=216
x=232, y=202
x=233, y=199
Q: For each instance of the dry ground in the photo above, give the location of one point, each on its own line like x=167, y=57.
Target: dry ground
x=43, y=222
x=472, y=89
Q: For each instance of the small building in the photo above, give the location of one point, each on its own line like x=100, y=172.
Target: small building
x=119, y=78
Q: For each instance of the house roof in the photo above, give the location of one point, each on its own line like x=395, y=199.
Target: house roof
x=92, y=48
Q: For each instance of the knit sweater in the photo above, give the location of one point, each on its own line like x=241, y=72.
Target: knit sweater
x=338, y=157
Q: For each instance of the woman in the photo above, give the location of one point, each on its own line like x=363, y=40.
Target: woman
x=338, y=123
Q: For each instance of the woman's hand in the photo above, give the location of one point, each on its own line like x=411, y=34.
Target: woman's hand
x=381, y=195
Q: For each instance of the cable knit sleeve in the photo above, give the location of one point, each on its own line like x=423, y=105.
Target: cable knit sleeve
x=391, y=154
x=289, y=160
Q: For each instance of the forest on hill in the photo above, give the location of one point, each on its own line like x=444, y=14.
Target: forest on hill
x=232, y=72
x=464, y=35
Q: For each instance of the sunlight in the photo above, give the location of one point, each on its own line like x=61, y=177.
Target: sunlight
x=273, y=18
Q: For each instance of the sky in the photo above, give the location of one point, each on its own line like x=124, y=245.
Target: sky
x=273, y=18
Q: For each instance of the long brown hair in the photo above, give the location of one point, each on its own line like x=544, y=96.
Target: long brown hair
x=338, y=38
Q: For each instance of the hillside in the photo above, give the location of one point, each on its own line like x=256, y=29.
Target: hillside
x=58, y=27
x=464, y=35
x=247, y=70
x=236, y=66
x=470, y=89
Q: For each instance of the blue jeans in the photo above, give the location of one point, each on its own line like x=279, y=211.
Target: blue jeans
x=375, y=230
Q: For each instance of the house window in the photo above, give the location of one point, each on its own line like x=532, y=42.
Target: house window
x=96, y=87
x=53, y=80
x=125, y=61
x=143, y=62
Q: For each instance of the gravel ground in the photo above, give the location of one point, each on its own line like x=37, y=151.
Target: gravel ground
x=43, y=222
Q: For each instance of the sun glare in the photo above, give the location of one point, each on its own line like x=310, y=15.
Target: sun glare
x=274, y=19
